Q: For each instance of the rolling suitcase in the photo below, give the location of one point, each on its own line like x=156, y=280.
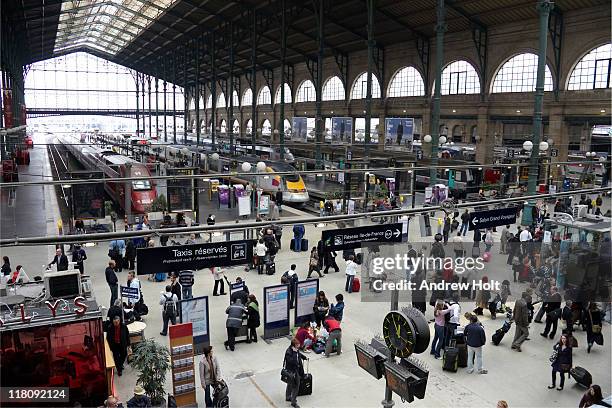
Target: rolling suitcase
x=462, y=360
x=451, y=358
x=306, y=382
x=356, y=284
x=270, y=268
x=304, y=246
x=292, y=244
x=582, y=376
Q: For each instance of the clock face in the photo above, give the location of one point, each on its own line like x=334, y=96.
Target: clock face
x=398, y=334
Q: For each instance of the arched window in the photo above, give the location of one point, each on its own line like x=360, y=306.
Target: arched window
x=223, y=125
x=406, y=82
x=192, y=104
x=266, y=128
x=236, y=126
x=247, y=97
x=201, y=103
x=277, y=96
x=593, y=70
x=287, y=126
x=249, y=126
x=264, y=97
x=333, y=90
x=306, y=92
x=519, y=74
x=235, y=99
x=221, y=100
x=360, y=87
x=209, y=102
x=460, y=77
x=458, y=133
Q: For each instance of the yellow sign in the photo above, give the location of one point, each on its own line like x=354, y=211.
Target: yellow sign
x=214, y=185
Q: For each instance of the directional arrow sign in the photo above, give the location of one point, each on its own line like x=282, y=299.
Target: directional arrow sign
x=492, y=218
x=350, y=238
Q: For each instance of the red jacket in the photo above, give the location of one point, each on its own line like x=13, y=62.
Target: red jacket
x=303, y=334
x=331, y=324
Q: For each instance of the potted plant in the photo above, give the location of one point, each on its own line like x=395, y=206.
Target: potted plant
x=152, y=360
x=110, y=211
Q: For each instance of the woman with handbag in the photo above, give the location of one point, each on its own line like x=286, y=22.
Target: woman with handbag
x=561, y=360
x=314, y=263
x=593, y=326
x=210, y=373
x=293, y=371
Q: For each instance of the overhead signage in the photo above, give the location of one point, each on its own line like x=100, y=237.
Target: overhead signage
x=58, y=305
x=131, y=294
x=304, y=301
x=195, y=311
x=492, y=218
x=554, y=152
x=276, y=311
x=350, y=238
x=193, y=257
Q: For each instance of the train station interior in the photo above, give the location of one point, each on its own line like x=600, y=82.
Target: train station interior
x=348, y=203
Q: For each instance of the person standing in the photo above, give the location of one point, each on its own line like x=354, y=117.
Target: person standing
x=168, y=300
x=219, y=284
x=320, y=308
x=175, y=286
x=298, y=235
x=260, y=251
x=292, y=281
x=313, y=263
x=475, y=338
x=521, y=319
x=112, y=281
x=118, y=339
x=294, y=366
x=446, y=229
x=235, y=313
x=60, y=259
x=117, y=252
x=337, y=310
x=503, y=240
x=593, y=326
x=279, y=200
x=561, y=362
x=210, y=373
x=78, y=257
x=440, y=321
x=186, y=281
x=458, y=246
x=140, y=399
x=455, y=317
x=465, y=223
x=6, y=266
x=552, y=307
x=130, y=254
x=488, y=240
x=351, y=271
x=335, y=333
x=253, y=318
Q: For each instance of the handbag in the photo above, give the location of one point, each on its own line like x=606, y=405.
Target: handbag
x=595, y=328
x=565, y=367
x=554, y=355
x=287, y=376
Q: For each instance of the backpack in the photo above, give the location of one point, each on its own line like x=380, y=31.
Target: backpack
x=79, y=256
x=169, y=306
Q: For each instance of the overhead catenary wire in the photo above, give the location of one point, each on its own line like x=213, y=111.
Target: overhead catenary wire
x=232, y=226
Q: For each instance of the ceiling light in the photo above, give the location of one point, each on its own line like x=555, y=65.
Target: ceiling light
x=454, y=111
x=518, y=111
x=404, y=110
x=603, y=111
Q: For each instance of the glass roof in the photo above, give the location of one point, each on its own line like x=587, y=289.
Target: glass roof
x=107, y=26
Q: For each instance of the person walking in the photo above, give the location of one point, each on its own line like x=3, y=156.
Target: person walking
x=330, y=261
x=503, y=240
x=475, y=338
x=313, y=263
x=169, y=301
x=298, y=235
x=118, y=339
x=593, y=320
x=60, y=260
x=292, y=280
x=278, y=199
x=78, y=257
x=112, y=281
x=335, y=334
x=186, y=281
x=219, y=289
x=465, y=223
x=440, y=321
x=482, y=298
x=446, y=229
x=488, y=240
x=253, y=318
x=552, y=307
x=320, y=308
x=235, y=313
x=210, y=373
x=458, y=246
x=520, y=315
x=293, y=366
x=561, y=362
x=351, y=271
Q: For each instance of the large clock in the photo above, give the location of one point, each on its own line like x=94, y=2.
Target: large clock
x=399, y=334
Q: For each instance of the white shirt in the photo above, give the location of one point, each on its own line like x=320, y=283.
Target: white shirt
x=525, y=235
x=455, y=312
x=217, y=273
x=351, y=268
x=260, y=249
x=167, y=296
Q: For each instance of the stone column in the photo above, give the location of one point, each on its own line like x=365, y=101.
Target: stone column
x=485, y=140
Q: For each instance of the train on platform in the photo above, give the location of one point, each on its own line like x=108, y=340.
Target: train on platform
x=115, y=165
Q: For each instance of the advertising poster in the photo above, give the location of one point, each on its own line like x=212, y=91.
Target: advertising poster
x=193, y=257
x=351, y=206
x=299, y=129
x=342, y=130
x=224, y=195
x=264, y=204
x=399, y=131
x=244, y=205
x=306, y=295
x=195, y=311
x=428, y=194
x=276, y=311
x=180, y=197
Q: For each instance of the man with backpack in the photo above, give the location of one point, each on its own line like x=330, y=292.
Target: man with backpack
x=292, y=280
x=169, y=301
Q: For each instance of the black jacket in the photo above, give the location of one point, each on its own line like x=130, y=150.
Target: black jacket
x=111, y=277
x=61, y=261
x=475, y=335
x=6, y=269
x=130, y=250
x=563, y=357
x=465, y=218
x=176, y=289
x=124, y=336
x=253, y=319
x=293, y=361
x=553, y=303
x=321, y=303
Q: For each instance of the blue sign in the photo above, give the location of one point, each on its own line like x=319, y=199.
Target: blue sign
x=398, y=131
x=304, y=301
x=342, y=130
x=276, y=311
x=195, y=310
x=129, y=293
x=299, y=129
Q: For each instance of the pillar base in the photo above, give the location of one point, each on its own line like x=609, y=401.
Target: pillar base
x=387, y=403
